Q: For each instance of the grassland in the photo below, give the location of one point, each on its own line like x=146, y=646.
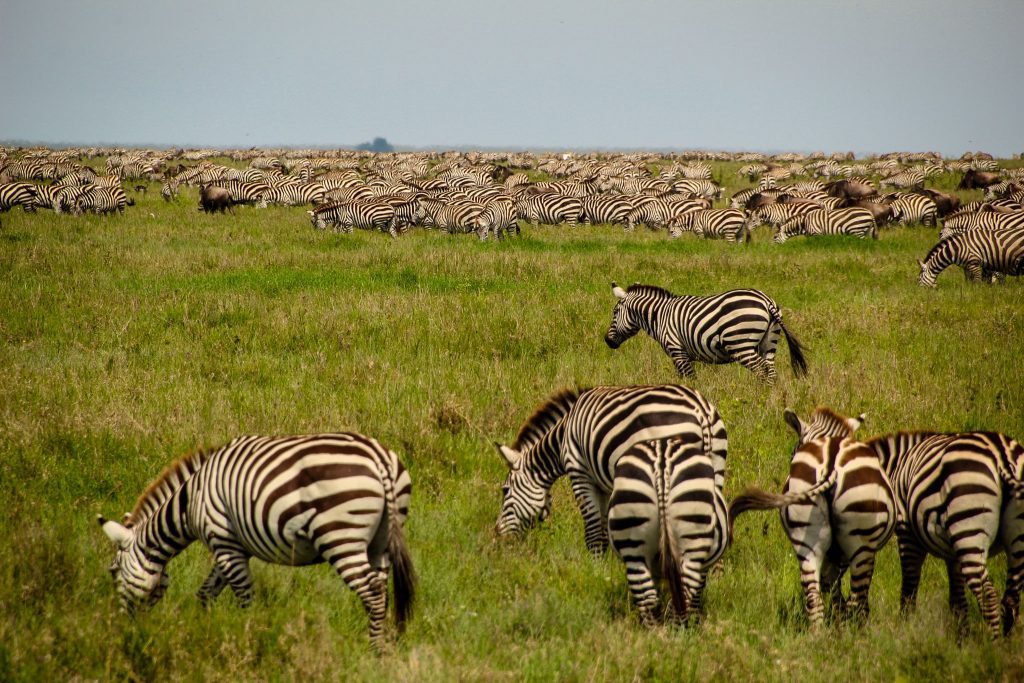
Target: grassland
x=126, y=341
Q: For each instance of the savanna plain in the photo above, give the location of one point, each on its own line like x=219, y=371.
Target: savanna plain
x=126, y=341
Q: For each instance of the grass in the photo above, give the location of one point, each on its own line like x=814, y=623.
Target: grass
x=128, y=340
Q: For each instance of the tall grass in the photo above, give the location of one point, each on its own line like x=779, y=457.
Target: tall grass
x=128, y=340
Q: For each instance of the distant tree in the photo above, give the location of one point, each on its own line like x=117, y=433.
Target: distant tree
x=378, y=145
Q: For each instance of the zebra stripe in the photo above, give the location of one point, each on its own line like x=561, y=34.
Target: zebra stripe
x=837, y=508
x=731, y=225
x=18, y=194
x=915, y=208
x=345, y=216
x=606, y=209
x=983, y=255
x=854, y=221
x=741, y=325
x=595, y=428
x=296, y=500
x=666, y=509
x=959, y=497
x=550, y=209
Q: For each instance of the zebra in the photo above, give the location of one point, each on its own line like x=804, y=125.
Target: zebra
x=293, y=195
x=666, y=516
x=606, y=208
x=707, y=189
x=583, y=433
x=169, y=189
x=17, y=194
x=500, y=216
x=915, y=208
x=777, y=214
x=909, y=179
x=296, y=500
x=959, y=497
x=344, y=216
x=990, y=220
x=732, y=225
x=246, y=191
x=853, y=221
x=101, y=200
x=983, y=255
x=549, y=208
x=655, y=212
x=456, y=217
x=837, y=507
x=740, y=325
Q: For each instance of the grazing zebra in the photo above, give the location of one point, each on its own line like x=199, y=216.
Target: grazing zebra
x=607, y=208
x=583, y=434
x=655, y=212
x=17, y=194
x=169, y=189
x=853, y=221
x=908, y=179
x=500, y=216
x=961, y=498
x=741, y=325
x=292, y=195
x=407, y=213
x=731, y=225
x=777, y=214
x=837, y=508
x=983, y=255
x=246, y=191
x=667, y=517
x=550, y=209
x=988, y=220
x=707, y=189
x=296, y=500
x=344, y=216
x=915, y=208
x=101, y=200
x=456, y=217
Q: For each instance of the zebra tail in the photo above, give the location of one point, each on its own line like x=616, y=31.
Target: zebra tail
x=796, y=351
x=1009, y=477
x=756, y=499
x=670, y=564
x=402, y=572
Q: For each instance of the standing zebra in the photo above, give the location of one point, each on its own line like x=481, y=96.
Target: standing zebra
x=731, y=225
x=297, y=500
x=17, y=194
x=583, y=434
x=961, y=498
x=667, y=516
x=915, y=208
x=549, y=208
x=983, y=255
x=457, y=216
x=837, y=508
x=344, y=216
x=741, y=325
x=853, y=221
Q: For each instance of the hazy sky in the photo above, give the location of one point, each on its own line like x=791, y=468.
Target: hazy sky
x=866, y=75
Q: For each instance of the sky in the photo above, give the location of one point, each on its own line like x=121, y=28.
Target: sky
x=861, y=75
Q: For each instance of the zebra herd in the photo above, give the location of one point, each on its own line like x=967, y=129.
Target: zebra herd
x=646, y=465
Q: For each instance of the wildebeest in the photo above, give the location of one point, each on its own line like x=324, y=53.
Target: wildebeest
x=882, y=213
x=977, y=180
x=851, y=190
x=946, y=203
x=213, y=198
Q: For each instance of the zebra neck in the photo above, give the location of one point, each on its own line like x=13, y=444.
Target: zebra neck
x=167, y=531
x=544, y=459
x=656, y=314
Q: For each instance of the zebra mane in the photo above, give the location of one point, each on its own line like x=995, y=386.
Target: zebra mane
x=163, y=487
x=826, y=416
x=649, y=289
x=545, y=417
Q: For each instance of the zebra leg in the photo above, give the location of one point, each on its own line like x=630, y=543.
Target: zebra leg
x=832, y=583
x=861, y=570
x=1011, y=596
x=911, y=559
x=751, y=360
x=810, y=580
x=643, y=590
x=694, y=579
x=593, y=505
x=233, y=565
x=683, y=363
x=972, y=271
x=368, y=582
x=975, y=572
x=957, y=597
x=212, y=586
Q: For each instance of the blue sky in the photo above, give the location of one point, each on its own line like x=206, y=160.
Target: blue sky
x=864, y=76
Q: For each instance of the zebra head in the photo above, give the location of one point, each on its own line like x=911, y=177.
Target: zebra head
x=824, y=423
x=625, y=321
x=140, y=579
x=525, y=501
x=927, y=277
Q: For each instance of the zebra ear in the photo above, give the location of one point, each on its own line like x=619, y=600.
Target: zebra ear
x=854, y=423
x=795, y=423
x=115, y=532
x=512, y=456
x=920, y=263
x=618, y=291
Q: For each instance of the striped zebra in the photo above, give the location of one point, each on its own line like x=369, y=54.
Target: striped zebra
x=667, y=517
x=915, y=208
x=959, y=497
x=988, y=220
x=777, y=214
x=837, y=508
x=500, y=216
x=854, y=221
x=292, y=195
x=169, y=189
x=345, y=216
x=550, y=209
x=456, y=217
x=246, y=191
x=908, y=179
x=582, y=434
x=655, y=212
x=295, y=500
x=741, y=325
x=17, y=194
x=708, y=189
x=983, y=254
x=732, y=225
x=609, y=209
x=101, y=200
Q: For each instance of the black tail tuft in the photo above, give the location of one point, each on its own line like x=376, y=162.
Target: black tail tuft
x=404, y=576
x=670, y=569
x=796, y=352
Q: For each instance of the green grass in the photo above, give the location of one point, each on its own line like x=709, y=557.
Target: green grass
x=128, y=340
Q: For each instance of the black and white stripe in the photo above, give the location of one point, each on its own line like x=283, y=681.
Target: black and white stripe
x=738, y=326
x=550, y=209
x=983, y=254
x=731, y=225
x=298, y=500
x=854, y=221
x=583, y=435
x=837, y=508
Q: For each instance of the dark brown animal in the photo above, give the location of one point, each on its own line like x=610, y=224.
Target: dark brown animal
x=946, y=203
x=213, y=198
x=882, y=213
x=977, y=180
x=850, y=190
